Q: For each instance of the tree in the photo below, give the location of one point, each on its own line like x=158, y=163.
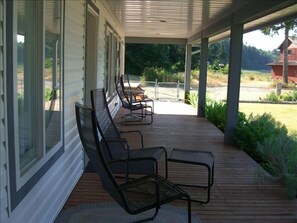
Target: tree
x=274, y=29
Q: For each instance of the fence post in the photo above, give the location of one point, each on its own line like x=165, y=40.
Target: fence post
x=177, y=90
x=278, y=89
x=156, y=90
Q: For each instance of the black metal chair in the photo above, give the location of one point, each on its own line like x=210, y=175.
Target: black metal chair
x=113, y=132
x=138, y=110
x=140, y=94
x=137, y=195
x=117, y=147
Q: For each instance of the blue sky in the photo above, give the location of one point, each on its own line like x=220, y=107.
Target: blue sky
x=261, y=41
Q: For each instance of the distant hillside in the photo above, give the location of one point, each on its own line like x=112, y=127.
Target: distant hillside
x=172, y=57
x=256, y=59
x=252, y=58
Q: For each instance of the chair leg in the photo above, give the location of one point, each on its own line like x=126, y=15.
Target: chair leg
x=189, y=210
x=141, y=116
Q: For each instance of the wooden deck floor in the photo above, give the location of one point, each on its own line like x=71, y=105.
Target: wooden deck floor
x=236, y=195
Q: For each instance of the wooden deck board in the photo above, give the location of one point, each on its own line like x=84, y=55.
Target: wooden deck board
x=236, y=195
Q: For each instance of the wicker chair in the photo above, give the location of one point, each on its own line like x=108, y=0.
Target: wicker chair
x=117, y=147
x=137, y=195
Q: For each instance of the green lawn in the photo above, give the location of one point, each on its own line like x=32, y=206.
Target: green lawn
x=285, y=113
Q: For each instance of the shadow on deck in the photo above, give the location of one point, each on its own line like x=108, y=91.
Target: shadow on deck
x=236, y=196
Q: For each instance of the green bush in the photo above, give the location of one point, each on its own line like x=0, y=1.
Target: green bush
x=225, y=69
x=192, y=99
x=48, y=94
x=48, y=63
x=287, y=97
x=280, y=160
x=150, y=74
x=215, y=112
x=161, y=75
x=255, y=131
x=272, y=96
x=267, y=141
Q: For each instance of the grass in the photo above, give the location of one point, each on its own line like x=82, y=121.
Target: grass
x=285, y=113
x=215, y=79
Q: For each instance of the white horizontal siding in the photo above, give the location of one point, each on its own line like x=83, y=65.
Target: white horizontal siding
x=74, y=66
x=105, y=17
x=46, y=199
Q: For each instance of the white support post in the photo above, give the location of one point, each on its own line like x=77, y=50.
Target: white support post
x=202, y=77
x=233, y=82
x=188, y=63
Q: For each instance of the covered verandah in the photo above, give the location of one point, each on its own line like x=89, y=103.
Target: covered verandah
x=236, y=195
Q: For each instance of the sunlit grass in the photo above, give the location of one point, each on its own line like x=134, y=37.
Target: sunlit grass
x=285, y=113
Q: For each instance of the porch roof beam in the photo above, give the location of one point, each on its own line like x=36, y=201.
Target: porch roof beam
x=264, y=14
x=147, y=40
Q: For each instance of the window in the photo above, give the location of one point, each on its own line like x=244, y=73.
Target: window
x=35, y=117
x=112, y=59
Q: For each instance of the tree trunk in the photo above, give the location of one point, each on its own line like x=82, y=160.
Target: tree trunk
x=285, y=66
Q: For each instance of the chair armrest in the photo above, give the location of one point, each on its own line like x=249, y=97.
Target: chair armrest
x=122, y=140
x=134, y=131
x=128, y=160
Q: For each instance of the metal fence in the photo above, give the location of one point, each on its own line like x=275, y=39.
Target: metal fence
x=163, y=91
x=174, y=91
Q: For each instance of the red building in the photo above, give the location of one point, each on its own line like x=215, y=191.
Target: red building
x=277, y=67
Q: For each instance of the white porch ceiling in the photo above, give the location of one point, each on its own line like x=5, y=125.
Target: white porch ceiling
x=188, y=20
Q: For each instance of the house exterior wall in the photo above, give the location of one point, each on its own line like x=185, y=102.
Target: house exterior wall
x=292, y=56
x=45, y=200
x=104, y=18
x=47, y=197
x=277, y=71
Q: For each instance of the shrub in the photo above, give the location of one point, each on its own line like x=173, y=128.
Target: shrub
x=48, y=94
x=272, y=96
x=215, y=112
x=150, y=74
x=255, y=131
x=287, y=97
x=192, y=99
x=280, y=160
x=48, y=63
x=225, y=69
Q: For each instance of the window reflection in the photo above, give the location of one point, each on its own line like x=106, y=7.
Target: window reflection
x=52, y=75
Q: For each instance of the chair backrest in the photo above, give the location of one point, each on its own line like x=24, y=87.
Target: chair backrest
x=104, y=118
x=121, y=92
x=113, y=145
x=87, y=128
x=126, y=81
